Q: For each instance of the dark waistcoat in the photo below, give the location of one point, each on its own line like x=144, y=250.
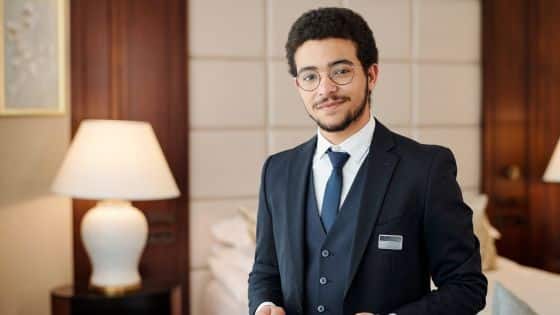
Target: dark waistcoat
x=327, y=255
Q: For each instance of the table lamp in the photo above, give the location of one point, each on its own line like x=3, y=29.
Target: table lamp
x=115, y=162
x=552, y=173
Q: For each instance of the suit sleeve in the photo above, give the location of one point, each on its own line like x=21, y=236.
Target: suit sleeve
x=452, y=248
x=264, y=279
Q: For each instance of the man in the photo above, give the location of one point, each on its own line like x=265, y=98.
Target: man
x=357, y=219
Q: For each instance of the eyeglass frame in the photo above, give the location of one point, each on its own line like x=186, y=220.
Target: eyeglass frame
x=330, y=66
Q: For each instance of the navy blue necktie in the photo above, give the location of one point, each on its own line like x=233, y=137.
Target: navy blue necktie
x=331, y=200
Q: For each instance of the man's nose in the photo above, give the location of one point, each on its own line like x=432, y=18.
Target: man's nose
x=326, y=86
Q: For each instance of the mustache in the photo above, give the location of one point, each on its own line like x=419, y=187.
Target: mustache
x=332, y=98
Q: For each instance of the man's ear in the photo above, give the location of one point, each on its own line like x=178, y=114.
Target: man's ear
x=372, y=75
x=295, y=82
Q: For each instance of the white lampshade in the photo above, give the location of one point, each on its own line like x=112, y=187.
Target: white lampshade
x=115, y=159
x=552, y=173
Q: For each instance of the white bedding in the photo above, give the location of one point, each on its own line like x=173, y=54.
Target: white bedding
x=219, y=301
x=539, y=289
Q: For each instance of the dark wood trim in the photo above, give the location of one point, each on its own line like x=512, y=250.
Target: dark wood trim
x=521, y=124
x=118, y=41
x=504, y=60
x=129, y=61
x=544, y=105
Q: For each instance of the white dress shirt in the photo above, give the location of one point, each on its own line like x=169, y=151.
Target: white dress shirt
x=357, y=145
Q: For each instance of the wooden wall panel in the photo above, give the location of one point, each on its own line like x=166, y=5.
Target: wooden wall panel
x=544, y=129
x=521, y=123
x=129, y=61
x=505, y=59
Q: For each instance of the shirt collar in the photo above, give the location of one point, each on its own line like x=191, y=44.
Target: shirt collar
x=357, y=145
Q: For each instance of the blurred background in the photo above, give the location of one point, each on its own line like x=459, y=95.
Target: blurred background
x=479, y=77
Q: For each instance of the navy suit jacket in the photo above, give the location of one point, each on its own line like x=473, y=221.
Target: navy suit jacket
x=411, y=190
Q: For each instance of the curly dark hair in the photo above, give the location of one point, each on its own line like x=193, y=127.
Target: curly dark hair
x=332, y=23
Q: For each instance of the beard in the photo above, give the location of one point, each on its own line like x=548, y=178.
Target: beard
x=350, y=117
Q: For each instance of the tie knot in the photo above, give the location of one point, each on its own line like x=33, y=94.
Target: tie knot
x=338, y=159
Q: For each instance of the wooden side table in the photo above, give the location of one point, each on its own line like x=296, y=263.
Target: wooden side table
x=149, y=300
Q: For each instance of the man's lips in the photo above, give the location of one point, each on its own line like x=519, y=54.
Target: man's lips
x=330, y=104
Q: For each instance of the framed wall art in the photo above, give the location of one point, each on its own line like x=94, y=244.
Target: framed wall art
x=33, y=57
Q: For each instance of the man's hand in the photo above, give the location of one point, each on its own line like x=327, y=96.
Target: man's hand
x=271, y=310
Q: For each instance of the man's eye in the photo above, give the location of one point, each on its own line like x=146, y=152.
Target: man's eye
x=309, y=77
x=341, y=71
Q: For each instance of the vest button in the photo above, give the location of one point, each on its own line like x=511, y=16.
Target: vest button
x=325, y=253
x=323, y=280
x=320, y=308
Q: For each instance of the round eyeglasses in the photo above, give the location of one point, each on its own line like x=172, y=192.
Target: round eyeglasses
x=309, y=79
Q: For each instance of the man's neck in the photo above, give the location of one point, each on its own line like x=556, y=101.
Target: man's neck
x=339, y=136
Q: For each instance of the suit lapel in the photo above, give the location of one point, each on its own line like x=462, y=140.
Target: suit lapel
x=299, y=170
x=380, y=167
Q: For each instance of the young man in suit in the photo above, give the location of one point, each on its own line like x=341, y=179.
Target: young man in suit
x=357, y=219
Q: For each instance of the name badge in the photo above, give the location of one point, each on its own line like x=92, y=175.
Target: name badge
x=391, y=242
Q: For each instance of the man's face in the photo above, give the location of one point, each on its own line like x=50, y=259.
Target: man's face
x=333, y=106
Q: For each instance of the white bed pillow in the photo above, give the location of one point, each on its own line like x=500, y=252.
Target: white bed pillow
x=250, y=217
x=218, y=301
x=233, y=279
x=506, y=303
x=232, y=232
x=238, y=257
x=483, y=230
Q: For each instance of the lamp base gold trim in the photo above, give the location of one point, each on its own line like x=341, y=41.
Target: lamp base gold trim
x=117, y=290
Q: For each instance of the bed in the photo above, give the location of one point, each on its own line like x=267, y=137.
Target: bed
x=537, y=288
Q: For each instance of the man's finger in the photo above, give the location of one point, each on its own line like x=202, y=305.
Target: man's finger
x=265, y=310
x=276, y=310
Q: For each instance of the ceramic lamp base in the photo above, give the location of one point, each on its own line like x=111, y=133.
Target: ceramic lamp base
x=114, y=234
x=116, y=290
